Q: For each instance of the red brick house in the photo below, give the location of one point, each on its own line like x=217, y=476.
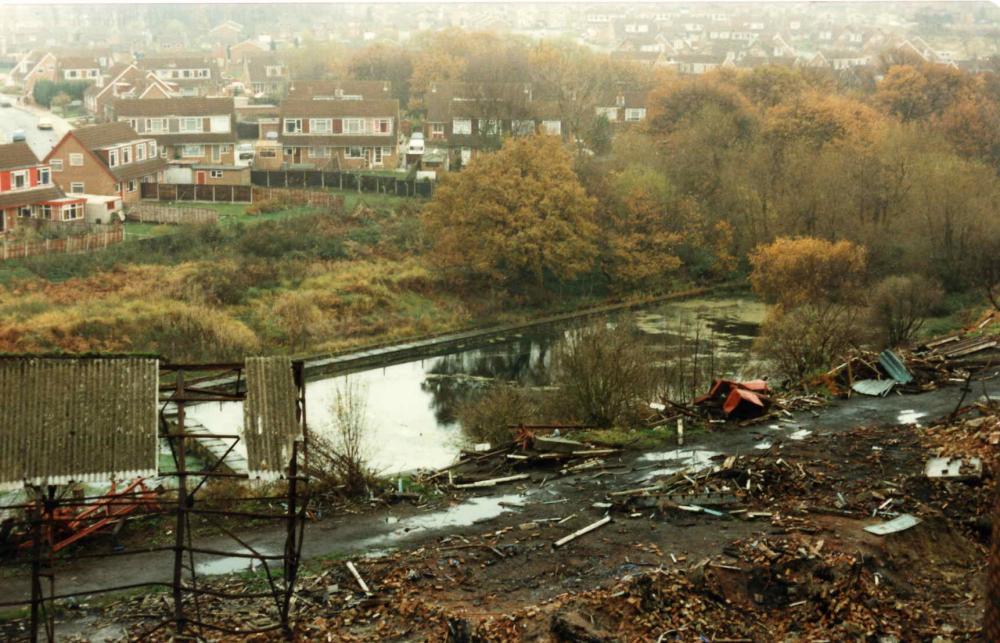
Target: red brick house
x=27, y=190
x=108, y=160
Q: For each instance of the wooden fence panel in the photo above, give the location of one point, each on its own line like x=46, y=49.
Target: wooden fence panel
x=192, y=192
x=75, y=244
x=153, y=213
x=371, y=183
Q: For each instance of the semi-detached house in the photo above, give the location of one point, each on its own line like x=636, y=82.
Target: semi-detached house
x=27, y=190
x=106, y=160
x=194, y=133
x=335, y=133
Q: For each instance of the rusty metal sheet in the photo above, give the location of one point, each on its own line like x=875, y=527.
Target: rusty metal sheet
x=270, y=418
x=77, y=419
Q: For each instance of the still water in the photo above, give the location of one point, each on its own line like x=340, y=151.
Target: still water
x=411, y=407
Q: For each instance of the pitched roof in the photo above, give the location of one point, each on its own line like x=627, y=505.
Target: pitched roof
x=16, y=155
x=330, y=108
x=181, y=106
x=78, y=62
x=363, y=88
x=97, y=136
x=29, y=197
x=137, y=170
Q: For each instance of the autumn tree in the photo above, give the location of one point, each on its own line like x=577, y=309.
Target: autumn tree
x=791, y=272
x=514, y=217
x=899, y=304
x=383, y=61
x=918, y=92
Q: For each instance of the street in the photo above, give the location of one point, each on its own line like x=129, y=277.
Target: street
x=22, y=118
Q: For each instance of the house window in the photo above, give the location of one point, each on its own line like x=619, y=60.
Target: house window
x=437, y=130
x=57, y=165
x=293, y=126
x=635, y=114
x=289, y=151
x=24, y=212
x=320, y=152
x=118, y=188
x=126, y=154
x=152, y=149
x=220, y=124
x=553, y=128
x=112, y=158
x=131, y=185
x=355, y=153
x=489, y=127
x=43, y=176
x=156, y=125
x=76, y=160
x=190, y=124
x=354, y=126
x=320, y=126
x=46, y=211
x=19, y=180
x=610, y=113
x=192, y=151
x=77, y=188
x=215, y=174
x=216, y=153
x=383, y=126
x=522, y=128
x=461, y=126
x=140, y=152
x=72, y=211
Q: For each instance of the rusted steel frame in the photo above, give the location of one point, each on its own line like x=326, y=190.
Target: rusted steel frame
x=216, y=465
x=202, y=398
x=36, y=567
x=103, y=590
x=229, y=630
x=181, y=522
x=192, y=568
x=291, y=561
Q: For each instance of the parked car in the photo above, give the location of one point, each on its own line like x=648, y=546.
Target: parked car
x=44, y=123
x=244, y=154
x=5, y=103
x=416, y=145
x=18, y=136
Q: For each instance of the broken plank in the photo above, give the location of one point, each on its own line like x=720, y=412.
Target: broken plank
x=492, y=482
x=357, y=577
x=585, y=530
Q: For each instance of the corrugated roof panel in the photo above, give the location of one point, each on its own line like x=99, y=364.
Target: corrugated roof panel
x=270, y=423
x=77, y=419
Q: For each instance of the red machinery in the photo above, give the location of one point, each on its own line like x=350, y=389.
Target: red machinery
x=67, y=524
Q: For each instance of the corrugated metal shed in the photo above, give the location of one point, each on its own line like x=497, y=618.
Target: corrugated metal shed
x=270, y=423
x=83, y=419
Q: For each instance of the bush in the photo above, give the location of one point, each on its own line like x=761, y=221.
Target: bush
x=808, y=338
x=487, y=418
x=898, y=306
x=339, y=463
x=604, y=375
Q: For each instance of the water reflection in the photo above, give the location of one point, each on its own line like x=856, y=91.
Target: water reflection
x=412, y=406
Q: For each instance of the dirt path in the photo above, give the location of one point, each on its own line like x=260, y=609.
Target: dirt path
x=404, y=526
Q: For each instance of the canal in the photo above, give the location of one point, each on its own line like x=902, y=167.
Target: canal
x=411, y=408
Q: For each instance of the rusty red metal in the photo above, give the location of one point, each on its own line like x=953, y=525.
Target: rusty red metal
x=738, y=398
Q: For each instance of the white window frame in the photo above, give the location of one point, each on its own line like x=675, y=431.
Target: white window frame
x=44, y=176
x=296, y=124
x=23, y=176
x=462, y=126
x=157, y=125
x=76, y=209
x=78, y=187
x=188, y=151
x=76, y=159
x=320, y=125
x=220, y=124
x=216, y=153
x=489, y=127
x=522, y=127
x=320, y=152
x=152, y=149
x=378, y=124
x=126, y=154
x=215, y=174
x=131, y=185
x=635, y=114
x=349, y=153
x=190, y=124
x=112, y=158
x=353, y=126
x=437, y=130
x=57, y=165
x=552, y=128
x=140, y=152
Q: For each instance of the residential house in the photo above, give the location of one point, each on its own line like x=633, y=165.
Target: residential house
x=324, y=133
x=226, y=33
x=33, y=67
x=696, y=64
x=468, y=118
x=111, y=159
x=243, y=51
x=266, y=75
x=27, y=190
x=81, y=68
x=340, y=89
x=194, y=134
x=193, y=74
x=623, y=106
x=124, y=81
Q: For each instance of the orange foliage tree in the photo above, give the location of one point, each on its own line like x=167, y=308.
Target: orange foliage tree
x=516, y=216
x=802, y=270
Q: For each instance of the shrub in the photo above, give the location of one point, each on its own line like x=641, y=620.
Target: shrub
x=487, y=418
x=808, y=338
x=898, y=306
x=340, y=462
x=604, y=375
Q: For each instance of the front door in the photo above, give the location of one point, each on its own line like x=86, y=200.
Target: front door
x=199, y=177
x=377, y=156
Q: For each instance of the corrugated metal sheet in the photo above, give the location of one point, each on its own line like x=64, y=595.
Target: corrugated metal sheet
x=878, y=388
x=77, y=419
x=894, y=367
x=270, y=425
